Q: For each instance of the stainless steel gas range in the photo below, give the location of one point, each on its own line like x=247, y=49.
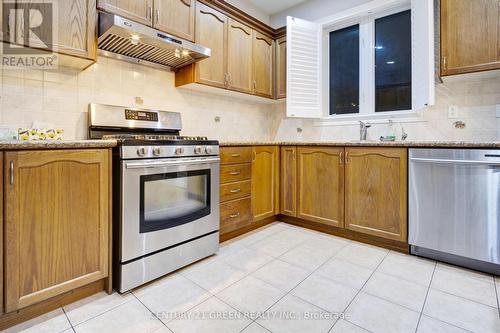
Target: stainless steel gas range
x=166, y=193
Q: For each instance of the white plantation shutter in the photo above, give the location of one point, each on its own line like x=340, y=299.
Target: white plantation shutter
x=423, y=65
x=303, y=69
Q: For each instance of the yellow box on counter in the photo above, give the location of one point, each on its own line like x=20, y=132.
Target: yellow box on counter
x=40, y=134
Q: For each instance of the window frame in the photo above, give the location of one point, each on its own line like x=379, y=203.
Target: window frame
x=366, y=21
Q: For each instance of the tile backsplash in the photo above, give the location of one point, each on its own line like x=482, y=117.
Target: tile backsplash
x=60, y=98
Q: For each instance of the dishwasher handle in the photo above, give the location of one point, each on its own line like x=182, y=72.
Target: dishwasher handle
x=447, y=161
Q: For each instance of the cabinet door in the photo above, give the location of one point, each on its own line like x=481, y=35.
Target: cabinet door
x=376, y=191
x=321, y=185
x=469, y=44
x=239, y=57
x=265, y=172
x=281, y=68
x=56, y=222
x=288, y=184
x=76, y=26
x=137, y=10
x=211, y=31
x=175, y=17
x=263, y=63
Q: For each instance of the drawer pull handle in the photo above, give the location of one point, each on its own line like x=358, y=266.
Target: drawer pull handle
x=236, y=190
x=235, y=155
x=234, y=173
x=234, y=215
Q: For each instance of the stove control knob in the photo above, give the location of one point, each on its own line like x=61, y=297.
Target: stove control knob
x=141, y=151
x=208, y=150
x=198, y=150
x=179, y=151
x=157, y=151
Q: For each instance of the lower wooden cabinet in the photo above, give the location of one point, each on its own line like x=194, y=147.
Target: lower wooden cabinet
x=56, y=222
x=265, y=182
x=321, y=185
x=376, y=192
x=288, y=183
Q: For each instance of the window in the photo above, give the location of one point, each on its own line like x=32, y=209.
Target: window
x=370, y=65
x=344, y=70
x=393, y=62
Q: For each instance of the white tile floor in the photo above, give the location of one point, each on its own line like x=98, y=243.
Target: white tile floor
x=283, y=278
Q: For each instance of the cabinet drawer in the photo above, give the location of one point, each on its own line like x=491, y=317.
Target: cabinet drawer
x=233, y=155
x=235, y=214
x=235, y=190
x=235, y=173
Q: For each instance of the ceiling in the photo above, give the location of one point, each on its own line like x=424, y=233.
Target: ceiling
x=271, y=7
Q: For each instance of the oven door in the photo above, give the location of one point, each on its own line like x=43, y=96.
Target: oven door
x=166, y=202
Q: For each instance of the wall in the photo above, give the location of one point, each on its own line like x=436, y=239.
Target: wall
x=477, y=101
x=62, y=97
x=249, y=8
x=314, y=9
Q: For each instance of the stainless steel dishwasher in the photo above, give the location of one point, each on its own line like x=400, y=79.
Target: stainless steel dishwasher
x=454, y=206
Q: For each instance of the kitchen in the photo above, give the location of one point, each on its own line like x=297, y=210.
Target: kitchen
x=193, y=166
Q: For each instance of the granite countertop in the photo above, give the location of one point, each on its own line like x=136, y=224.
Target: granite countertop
x=56, y=144
x=354, y=143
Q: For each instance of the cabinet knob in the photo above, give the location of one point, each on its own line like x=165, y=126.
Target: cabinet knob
x=234, y=173
x=234, y=215
x=236, y=190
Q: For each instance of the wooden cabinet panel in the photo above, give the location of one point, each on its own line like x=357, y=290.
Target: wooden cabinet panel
x=211, y=31
x=376, y=191
x=239, y=56
x=321, y=185
x=469, y=44
x=234, y=191
x=281, y=68
x=138, y=10
x=56, y=222
x=175, y=17
x=288, y=184
x=76, y=27
x=265, y=181
x=234, y=155
x=235, y=214
x=235, y=173
x=263, y=59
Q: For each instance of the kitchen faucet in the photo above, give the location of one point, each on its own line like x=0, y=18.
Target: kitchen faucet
x=363, y=130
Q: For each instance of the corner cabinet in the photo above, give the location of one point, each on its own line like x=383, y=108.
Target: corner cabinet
x=288, y=184
x=321, y=185
x=140, y=11
x=376, y=192
x=57, y=222
x=265, y=182
x=175, y=17
x=470, y=36
x=280, y=68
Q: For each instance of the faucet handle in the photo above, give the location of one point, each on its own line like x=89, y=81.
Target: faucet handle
x=365, y=125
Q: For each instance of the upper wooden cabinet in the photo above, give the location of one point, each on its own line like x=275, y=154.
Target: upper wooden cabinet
x=263, y=59
x=137, y=10
x=470, y=36
x=175, y=17
x=265, y=181
x=239, y=57
x=56, y=222
x=376, y=191
x=321, y=185
x=288, y=184
x=280, y=68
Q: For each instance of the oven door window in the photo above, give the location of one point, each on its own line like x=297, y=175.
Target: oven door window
x=172, y=199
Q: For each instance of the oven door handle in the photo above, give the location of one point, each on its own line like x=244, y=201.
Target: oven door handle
x=139, y=165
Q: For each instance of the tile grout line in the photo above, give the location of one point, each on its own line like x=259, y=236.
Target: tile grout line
x=426, y=295
x=154, y=315
x=497, y=293
x=361, y=289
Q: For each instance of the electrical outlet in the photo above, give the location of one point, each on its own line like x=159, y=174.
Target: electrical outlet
x=453, y=112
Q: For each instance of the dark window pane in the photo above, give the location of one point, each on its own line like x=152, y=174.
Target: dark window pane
x=393, y=62
x=344, y=71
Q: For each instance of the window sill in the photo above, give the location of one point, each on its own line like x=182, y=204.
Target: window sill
x=373, y=118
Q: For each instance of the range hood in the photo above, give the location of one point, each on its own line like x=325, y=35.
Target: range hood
x=123, y=39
